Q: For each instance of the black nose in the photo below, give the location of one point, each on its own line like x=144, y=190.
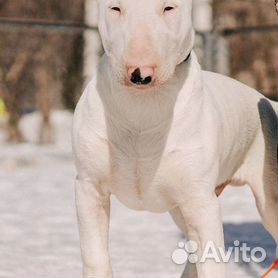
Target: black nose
x=136, y=78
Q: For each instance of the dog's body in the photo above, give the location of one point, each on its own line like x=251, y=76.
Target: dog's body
x=171, y=147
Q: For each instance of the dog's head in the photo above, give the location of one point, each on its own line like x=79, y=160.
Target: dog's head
x=145, y=39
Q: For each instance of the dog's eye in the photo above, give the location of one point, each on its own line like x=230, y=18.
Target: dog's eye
x=168, y=8
x=117, y=9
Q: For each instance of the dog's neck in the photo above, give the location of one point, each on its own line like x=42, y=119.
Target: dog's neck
x=150, y=109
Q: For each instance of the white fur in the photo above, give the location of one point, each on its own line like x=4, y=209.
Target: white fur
x=167, y=147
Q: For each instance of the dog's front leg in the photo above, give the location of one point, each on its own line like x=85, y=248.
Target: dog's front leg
x=93, y=209
x=202, y=216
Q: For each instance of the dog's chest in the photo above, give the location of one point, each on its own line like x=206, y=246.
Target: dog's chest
x=140, y=171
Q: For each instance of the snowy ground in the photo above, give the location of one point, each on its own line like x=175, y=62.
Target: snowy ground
x=39, y=236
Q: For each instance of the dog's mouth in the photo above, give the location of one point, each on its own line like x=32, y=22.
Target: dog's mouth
x=141, y=85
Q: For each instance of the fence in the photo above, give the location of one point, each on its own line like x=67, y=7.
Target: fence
x=215, y=43
x=221, y=53
x=213, y=47
x=54, y=70
x=62, y=26
x=41, y=65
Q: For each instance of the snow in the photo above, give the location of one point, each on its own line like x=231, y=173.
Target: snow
x=39, y=234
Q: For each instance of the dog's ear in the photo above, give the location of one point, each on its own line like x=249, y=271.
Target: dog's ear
x=276, y=5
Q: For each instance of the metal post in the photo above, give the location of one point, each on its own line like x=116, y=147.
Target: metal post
x=203, y=24
x=92, y=43
x=202, y=16
x=222, y=58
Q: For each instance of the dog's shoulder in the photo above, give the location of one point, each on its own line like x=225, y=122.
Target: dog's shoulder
x=89, y=121
x=230, y=93
x=227, y=86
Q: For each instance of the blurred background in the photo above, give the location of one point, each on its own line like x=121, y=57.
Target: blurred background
x=48, y=52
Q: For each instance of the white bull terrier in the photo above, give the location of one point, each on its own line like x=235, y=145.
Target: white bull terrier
x=162, y=135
